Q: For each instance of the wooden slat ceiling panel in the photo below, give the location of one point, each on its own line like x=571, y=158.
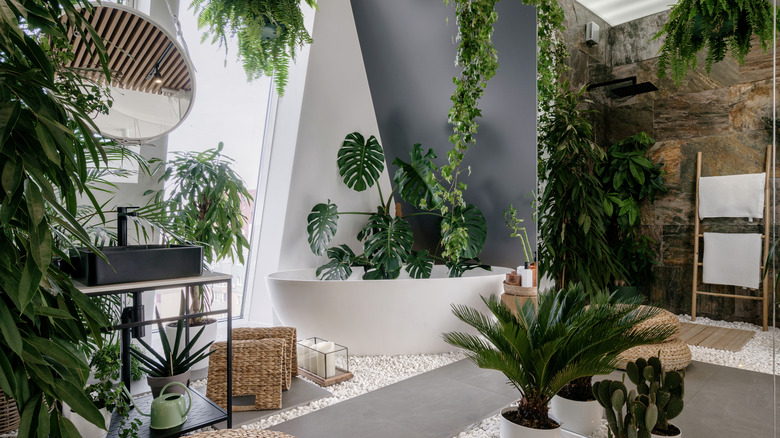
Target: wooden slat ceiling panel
x=134, y=48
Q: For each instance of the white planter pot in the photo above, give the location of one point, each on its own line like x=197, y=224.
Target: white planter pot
x=508, y=429
x=577, y=416
x=85, y=428
x=209, y=335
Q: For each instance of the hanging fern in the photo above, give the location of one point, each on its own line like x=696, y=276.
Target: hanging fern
x=720, y=26
x=268, y=31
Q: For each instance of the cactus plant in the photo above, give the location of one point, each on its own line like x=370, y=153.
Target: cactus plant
x=613, y=397
x=664, y=390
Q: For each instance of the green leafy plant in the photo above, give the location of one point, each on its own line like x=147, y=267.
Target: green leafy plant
x=47, y=143
x=656, y=387
x=629, y=178
x=572, y=219
x=540, y=352
x=268, y=32
x=175, y=359
x=201, y=204
x=719, y=26
x=514, y=223
x=387, y=239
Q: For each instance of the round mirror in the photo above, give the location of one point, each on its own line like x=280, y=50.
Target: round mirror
x=152, y=79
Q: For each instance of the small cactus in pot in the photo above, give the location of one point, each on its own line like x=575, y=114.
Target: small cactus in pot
x=613, y=396
x=655, y=387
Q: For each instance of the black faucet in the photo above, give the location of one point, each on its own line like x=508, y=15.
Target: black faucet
x=121, y=224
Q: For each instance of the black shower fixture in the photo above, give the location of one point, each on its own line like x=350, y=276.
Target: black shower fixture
x=628, y=90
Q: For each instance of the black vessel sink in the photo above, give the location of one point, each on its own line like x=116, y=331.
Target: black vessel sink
x=137, y=263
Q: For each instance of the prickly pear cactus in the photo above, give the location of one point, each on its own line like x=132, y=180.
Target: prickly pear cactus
x=613, y=397
x=663, y=391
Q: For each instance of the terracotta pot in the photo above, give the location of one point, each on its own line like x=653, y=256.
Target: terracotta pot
x=508, y=429
x=157, y=383
x=582, y=417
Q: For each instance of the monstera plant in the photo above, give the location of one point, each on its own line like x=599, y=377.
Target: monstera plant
x=388, y=239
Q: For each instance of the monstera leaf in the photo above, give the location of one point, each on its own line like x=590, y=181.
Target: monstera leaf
x=340, y=265
x=388, y=242
x=419, y=264
x=416, y=181
x=360, y=161
x=323, y=223
x=473, y=222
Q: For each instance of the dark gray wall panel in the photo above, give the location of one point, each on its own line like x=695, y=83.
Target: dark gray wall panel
x=409, y=55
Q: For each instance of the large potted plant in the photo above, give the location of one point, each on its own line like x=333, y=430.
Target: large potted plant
x=202, y=206
x=572, y=218
x=575, y=404
x=387, y=239
x=629, y=178
x=268, y=31
x=540, y=352
x=175, y=361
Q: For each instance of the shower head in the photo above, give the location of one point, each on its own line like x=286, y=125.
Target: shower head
x=628, y=90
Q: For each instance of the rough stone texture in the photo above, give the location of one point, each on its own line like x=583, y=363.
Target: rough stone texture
x=718, y=113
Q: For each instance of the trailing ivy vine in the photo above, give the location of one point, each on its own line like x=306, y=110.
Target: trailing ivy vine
x=719, y=26
x=268, y=32
x=478, y=59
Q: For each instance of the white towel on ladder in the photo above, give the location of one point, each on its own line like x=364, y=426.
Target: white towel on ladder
x=732, y=259
x=732, y=196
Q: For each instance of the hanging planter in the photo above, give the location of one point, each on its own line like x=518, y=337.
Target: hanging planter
x=269, y=32
x=719, y=26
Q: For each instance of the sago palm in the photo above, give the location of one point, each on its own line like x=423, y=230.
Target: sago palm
x=541, y=352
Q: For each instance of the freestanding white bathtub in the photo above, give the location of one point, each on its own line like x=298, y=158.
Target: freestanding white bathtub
x=380, y=317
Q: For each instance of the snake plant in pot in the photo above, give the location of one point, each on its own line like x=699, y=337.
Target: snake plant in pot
x=540, y=352
x=175, y=361
x=387, y=239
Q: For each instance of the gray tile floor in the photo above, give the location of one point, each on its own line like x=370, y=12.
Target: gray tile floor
x=721, y=402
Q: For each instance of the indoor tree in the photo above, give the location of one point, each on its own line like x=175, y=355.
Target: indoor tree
x=47, y=144
x=572, y=218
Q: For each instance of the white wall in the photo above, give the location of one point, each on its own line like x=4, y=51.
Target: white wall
x=327, y=97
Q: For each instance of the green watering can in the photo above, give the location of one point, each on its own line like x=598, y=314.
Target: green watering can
x=168, y=410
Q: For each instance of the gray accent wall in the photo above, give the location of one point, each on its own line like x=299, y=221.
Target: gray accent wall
x=409, y=54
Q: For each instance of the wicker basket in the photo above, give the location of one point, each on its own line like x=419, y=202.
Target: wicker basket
x=515, y=295
x=241, y=433
x=675, y=354
x=9, y=414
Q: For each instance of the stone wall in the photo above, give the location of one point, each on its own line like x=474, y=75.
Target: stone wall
x=718, y=114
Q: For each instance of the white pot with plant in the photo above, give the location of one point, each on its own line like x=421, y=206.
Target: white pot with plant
x=175, y=361
x=575, y=404
x=561, y=347
x=202, y=207
x=658, y=398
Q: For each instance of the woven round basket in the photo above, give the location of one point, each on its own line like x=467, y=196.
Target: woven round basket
x=513, y=289
x=241, y=433
x=675, y=354
x=9, y=414
x=663, y=317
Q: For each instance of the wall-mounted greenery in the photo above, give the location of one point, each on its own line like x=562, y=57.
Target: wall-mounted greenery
x=387, y=239
x=44, y=320
x=629, y=178
x=269, y=32
x=719, y=26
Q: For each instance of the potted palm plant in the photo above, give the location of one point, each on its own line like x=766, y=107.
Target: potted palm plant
x=575, y=405
x=203, y=207
x=541, y=352
x=174, y=364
